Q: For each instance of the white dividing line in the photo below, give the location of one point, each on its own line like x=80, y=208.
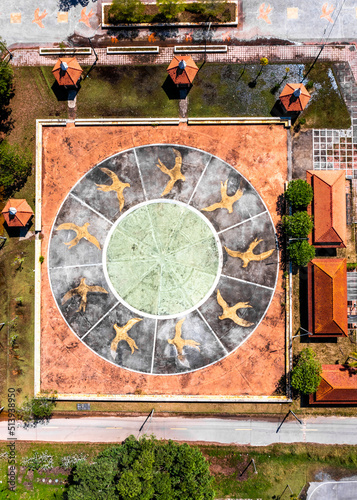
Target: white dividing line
x=204, y=319
x=101, y=319
x=153, y=349
x=243, y=222
x=243, y=429
x=141, y=177
x=178, y=428
x=246, y=281
x=90, y=208
x=199, y=180
x=77, y=265
x=114, y=427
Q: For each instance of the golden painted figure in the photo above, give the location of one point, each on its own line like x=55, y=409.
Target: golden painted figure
x=117, y=185
x=174, y=173
x=231, y=312
x=81, y=231
x=180, y=343
x=122, y=334
x=248, y=255
x=82, y=290
x=226, y=201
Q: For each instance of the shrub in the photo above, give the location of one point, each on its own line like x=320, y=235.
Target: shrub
x=309, y=85
x=300, y=252
x=170, y=8
x=264, y=61
x=69, y=461
x=6, y=78
x=299, y=194
x=298, y=225
x=37, y=409
x=126, y=11
x=305, y=376
x=43, y=461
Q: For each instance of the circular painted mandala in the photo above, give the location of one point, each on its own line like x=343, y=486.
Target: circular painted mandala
x=162, y=259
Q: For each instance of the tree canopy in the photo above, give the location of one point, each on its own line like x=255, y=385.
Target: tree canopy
x=14, y=168
x=299, y=194
x=300, y=252
x=298, y=225
x=170, y=8
x=143, y=469
x=305, y=376
x=127, y=11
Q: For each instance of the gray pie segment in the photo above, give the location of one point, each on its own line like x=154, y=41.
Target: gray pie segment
x=85, y=252
x=208, y=193
x=166, y=359
x=143, y=333
x=229, y=333
x=239, y=239
x=124, y=166
x=194, y=162
x=63, y=280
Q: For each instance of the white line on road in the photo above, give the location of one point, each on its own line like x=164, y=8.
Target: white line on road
x=245, y=429
x=114, y=427
x=178, y=428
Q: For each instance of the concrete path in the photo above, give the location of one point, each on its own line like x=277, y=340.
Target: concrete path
x=226, y=431
x=50, y=21
x=333, y=490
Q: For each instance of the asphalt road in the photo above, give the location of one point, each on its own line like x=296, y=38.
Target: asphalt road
x=330, y=430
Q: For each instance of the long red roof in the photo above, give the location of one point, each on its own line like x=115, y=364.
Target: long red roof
x=338, y=386
x=327, y=297
x=328, y=208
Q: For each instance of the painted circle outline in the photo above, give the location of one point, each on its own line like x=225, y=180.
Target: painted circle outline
x=143, y=146
x=186, y=311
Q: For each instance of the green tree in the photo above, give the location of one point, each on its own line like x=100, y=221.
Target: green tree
x=300, y=252
x=126, y=11
x=37, y=409
x=170, y=8
x=298, y=225
x=144, y=469
x=6, y=77
x=14, y=168
x=305, y=377
x=299, y=194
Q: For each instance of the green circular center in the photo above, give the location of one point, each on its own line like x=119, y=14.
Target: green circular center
x=162, y=259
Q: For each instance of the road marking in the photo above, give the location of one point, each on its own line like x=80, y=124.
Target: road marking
x=178, y=428
x=50, y=427
x=307, y=430
x=114, y=427
x=243, y=429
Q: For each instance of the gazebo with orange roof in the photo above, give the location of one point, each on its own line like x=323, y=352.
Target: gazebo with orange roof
x=294, y=97
x=182, y=70
x=17, y=213
x=67, y=71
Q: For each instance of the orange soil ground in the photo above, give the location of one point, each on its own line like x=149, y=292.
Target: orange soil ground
x=259, y=152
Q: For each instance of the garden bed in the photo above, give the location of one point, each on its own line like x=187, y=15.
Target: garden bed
x=133, y=50
x=152, y=17
x=54, y=51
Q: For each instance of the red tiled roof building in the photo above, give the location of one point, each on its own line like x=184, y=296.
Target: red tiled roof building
x=338, y=386
x=17, y=213
x=327, y=297
x=294, y=97
x=328, y=208
x=182, y=70
x=67, y=71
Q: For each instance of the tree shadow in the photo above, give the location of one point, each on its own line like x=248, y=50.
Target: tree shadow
x=279, y=110
x=123, y=34
x=173, y=91
x=66, y=5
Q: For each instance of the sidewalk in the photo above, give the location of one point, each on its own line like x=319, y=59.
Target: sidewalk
x=235, y=54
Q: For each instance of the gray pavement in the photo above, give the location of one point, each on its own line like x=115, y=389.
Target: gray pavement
x=295, y=20
x=333, y=490
x=331, y=430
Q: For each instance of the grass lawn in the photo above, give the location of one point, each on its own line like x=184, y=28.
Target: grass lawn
x=277, y=466
x=229, y=90
x=125, y=91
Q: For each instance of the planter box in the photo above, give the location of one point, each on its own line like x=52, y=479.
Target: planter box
x=178, y=49
x=80, y=51
x=107, y=24
x=133, y=50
